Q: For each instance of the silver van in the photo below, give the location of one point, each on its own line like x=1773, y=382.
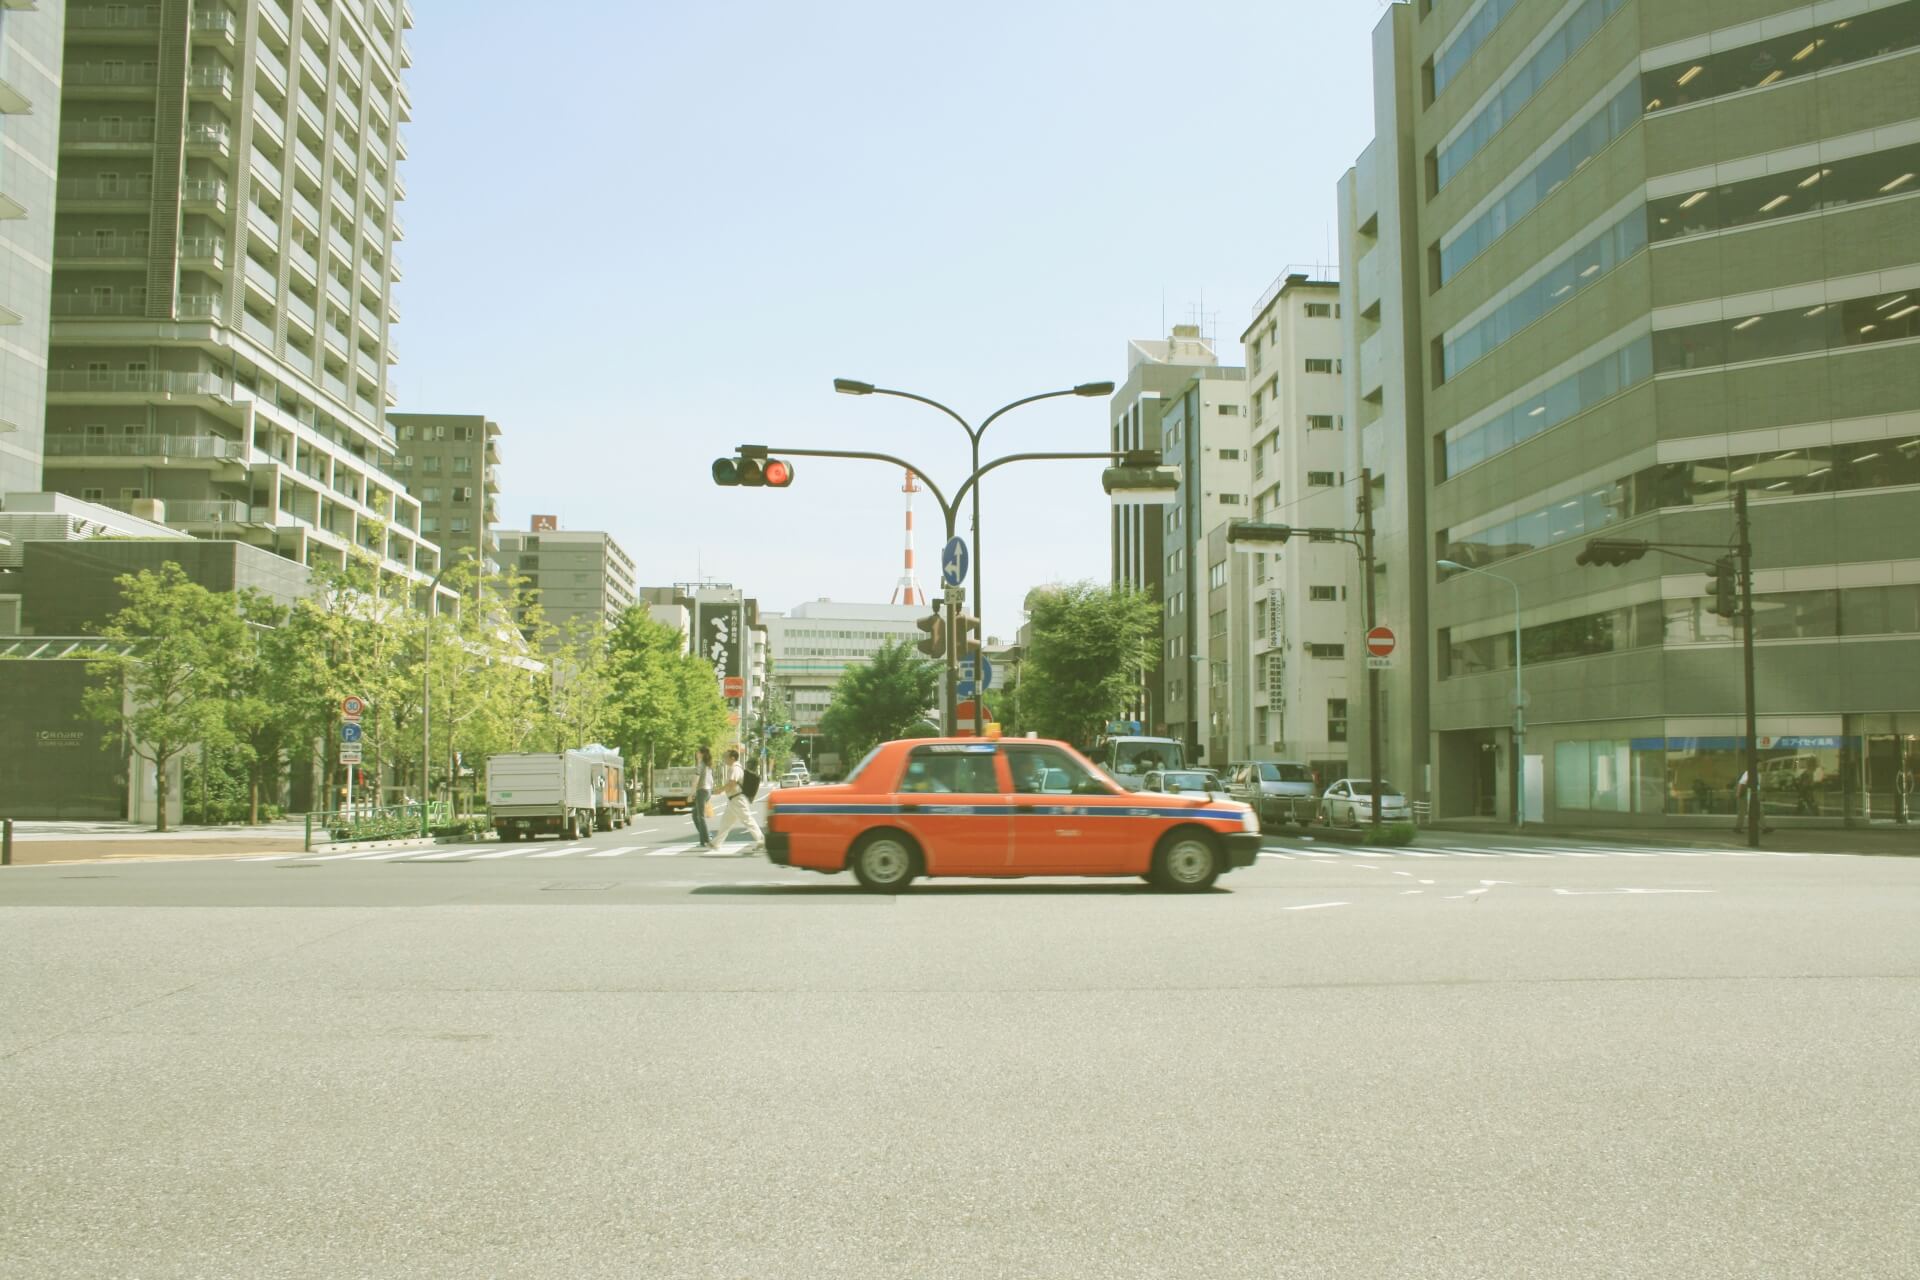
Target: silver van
x=1280, y=791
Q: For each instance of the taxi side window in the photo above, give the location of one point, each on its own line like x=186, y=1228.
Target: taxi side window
x=933, y=772
x=1049, y=771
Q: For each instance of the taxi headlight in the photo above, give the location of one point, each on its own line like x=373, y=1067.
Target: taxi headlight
x=1248, y=822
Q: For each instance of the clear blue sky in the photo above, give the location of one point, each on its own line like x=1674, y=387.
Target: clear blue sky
x=640, y=234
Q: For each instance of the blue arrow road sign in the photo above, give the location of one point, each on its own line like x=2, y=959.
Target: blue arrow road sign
x=350, y=731
x=953, y=562
x=963, y=689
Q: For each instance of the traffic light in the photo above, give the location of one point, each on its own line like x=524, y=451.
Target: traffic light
x=966, y=639
x=1724, y=583
x=751, y=467
x=1611, y=551
x=935, y=645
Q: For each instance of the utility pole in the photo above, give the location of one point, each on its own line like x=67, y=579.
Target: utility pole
x=1745, y=551
x=1373, y=672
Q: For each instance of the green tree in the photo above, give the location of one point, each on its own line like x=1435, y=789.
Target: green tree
x=172, y=694
x=877, y=701
x=1090, y=645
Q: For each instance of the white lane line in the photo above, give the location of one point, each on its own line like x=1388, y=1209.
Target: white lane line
x=1315, y=906
x=1313, y=853
x=1367, y=853
x=561, y=852
x=1471, y=853
x=1268, y=853
x=1420, y=853
x=674, y=851
x=614, y=852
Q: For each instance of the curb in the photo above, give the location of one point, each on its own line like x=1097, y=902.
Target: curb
x=358, y=846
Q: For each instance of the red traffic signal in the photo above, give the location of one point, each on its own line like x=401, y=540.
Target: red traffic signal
x=753, y=469
x=778, y=473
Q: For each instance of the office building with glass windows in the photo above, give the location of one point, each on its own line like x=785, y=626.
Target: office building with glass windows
x=1605, y=261
x=223, y=271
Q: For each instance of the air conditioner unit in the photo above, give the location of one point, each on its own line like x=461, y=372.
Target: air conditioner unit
x=148, y=509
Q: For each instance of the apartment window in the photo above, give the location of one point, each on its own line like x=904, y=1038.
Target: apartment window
x=463, y=493
x=1319, y=479
x=92, y=495
x=1230, y=410
x=458, y=524
x=463, y=433
x=430, y=494
x=1328, y=651
x=1319, y=422
x=1229, y=455
x=1319, y=366
x=430, y=463
x=1319, y=310
x=1336, y=719
x=1217, y=575
x=429, y=524
x=132, y=495
x=463, y=466
x=1323, y=593
x=1230, y=499
x=408, y=431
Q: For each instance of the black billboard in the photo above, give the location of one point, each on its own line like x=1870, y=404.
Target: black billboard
x=719, y=636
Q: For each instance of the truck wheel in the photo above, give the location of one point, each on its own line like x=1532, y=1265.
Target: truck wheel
x=1186, y=862
x=884, y=861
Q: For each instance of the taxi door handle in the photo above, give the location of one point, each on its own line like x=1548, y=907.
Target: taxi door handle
x=1023, y=806
x=909, y=808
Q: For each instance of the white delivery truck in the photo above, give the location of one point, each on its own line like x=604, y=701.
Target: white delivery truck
x=563, y=793
x=673, y=788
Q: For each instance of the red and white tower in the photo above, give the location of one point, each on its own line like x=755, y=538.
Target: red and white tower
x=907, y=590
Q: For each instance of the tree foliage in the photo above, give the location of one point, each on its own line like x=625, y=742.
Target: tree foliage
x=173, y=693
x=875, y=702
x=1090, y=645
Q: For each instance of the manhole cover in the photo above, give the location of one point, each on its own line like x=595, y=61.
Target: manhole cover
x=575, y=886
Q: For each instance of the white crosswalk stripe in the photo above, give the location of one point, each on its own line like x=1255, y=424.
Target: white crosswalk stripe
x=563, y=851
x=614, y=852
x=674, y=851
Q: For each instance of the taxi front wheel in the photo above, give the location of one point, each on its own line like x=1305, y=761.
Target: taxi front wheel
x=883, y=861
x=1186, y=862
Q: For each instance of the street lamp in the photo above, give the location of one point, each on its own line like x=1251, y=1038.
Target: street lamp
x=1519, y=696
x=854, y=387
x=1136, y=476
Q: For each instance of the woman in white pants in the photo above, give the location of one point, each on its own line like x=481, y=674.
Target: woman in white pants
x=739, y=809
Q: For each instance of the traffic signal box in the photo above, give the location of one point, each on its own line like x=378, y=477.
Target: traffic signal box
x=1611, y=551
x=935, y=645
x=752, y=468
x=1724, y=584
x=966, y=639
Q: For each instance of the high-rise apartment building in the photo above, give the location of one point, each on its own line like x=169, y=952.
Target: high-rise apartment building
x=223, y=272
x=449, y=462
x=1287, y=611
x=1604, y=262
x=29, y=122
x=573, y=574
x=1180, y=401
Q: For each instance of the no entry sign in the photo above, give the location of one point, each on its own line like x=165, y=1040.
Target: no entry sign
x=1380, y=642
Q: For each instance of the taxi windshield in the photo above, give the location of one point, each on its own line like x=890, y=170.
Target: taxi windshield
x=1145, y=757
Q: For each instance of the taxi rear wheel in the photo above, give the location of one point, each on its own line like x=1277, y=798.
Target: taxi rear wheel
x=885, y=861
x=1186, y=862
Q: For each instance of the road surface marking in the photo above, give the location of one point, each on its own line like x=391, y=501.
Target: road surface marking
x=414, y=854
x=1315, y=906
x=1596, y=893
x=561, y=852
x=1268, y=853
x=450, y=853
x=614, y=852
x=674, y=851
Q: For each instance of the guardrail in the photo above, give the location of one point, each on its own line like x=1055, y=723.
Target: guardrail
x=385, y=822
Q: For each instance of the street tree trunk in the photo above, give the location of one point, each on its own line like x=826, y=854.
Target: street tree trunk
x=160, y=790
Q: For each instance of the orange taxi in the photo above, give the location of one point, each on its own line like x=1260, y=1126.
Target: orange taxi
x=1007, y=807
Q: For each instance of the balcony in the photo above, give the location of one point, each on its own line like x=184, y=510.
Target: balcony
x=382, y=13
x=101, y=382
x=262, y=225
x=406, y=53
x=99, y=248
x=313, y=63
x=101, y=75
x=338, y=291
x=271, y=66
x=265, y=171
x=86, y=306
x=199, y=306
x=208, y=193
x=269, y=119
x=304, y=209
x=203, y=249
x=368, y=362
x=197, y=511
x=300, y=311
x=310, y=114
x=107, y=136
x=262, y=278
x=107, y=191
x=216, y=24
x=369, y=319
x=148, y=445
x=105, y=20
x=258, y=328
x=272, y=15
x=348, y=113
x=307, y=161
x=303, y=260
x=210, y=81
x=209, y=137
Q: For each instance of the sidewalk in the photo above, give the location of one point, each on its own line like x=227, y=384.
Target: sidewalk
x=1895, y=841
x=51, y=843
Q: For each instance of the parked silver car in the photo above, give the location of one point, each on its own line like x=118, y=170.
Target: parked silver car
x=1349, y=803
x=1280, y=791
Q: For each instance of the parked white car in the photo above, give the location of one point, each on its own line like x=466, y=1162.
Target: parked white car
x=1349, y=803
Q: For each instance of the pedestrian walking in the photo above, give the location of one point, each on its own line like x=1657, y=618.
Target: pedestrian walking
x=739, y=810
x=703, y=795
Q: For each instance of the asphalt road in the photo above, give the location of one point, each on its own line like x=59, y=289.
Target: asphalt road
x=1485, y=1058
